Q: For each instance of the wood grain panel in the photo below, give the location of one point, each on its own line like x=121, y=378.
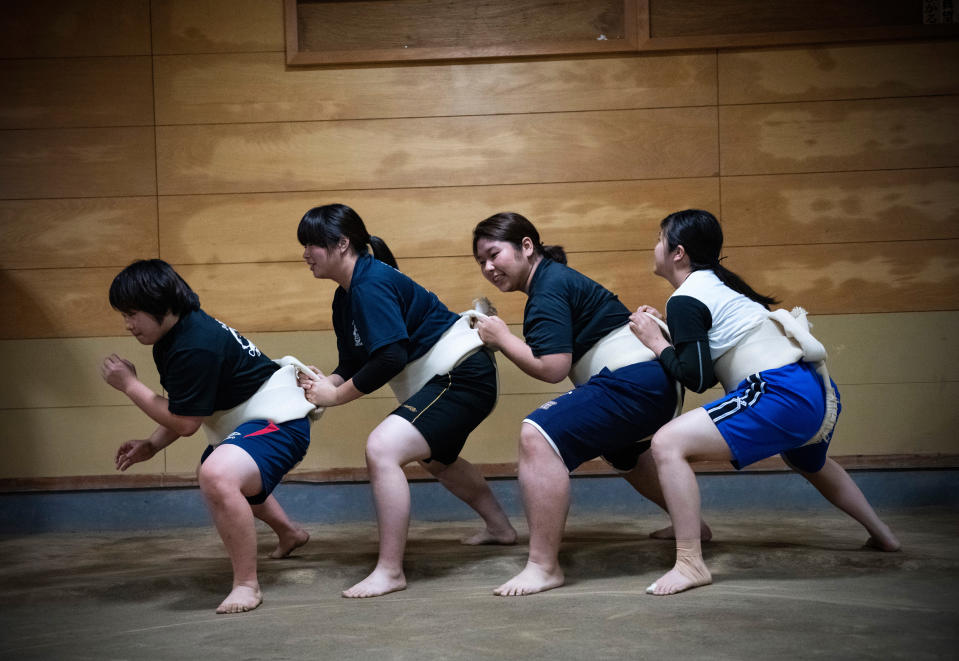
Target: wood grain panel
x=99, y=162
x=71, y=441
x=67, y=28
x=217, y=26
x=57, y=303
x=255, y=87
x=428, y=222
x=840, y=135
x=534, y=148
x=76, y=92
x=825, y=279
x=65, y=372
x=105, y=231
x=676, y=18
x=839, y=72
x=855, y=278
x=840, y=207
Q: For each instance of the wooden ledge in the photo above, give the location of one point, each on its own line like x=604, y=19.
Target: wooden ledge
x=595, y=468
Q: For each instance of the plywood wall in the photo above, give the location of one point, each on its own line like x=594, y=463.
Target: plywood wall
x=173, y=129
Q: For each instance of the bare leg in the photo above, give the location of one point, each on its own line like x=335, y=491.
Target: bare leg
x=227, y=476
x=644, y=479
x=838, y=487
x=393, y=444
x=290, y=536
x=691, y=436
x=465, y=482
x=544, y=482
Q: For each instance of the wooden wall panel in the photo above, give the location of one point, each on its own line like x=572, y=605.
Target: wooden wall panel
x=70, y=441
x=67, y=233
x=254, y=87
x=535, y=148
x=102, y=162
x=855, y=278
x=57, y=303
x=65, y=372
x=825, y=279
x=428, y=222
x=830, y=73
x=214, y=26
x=76, y=92
x=840, y=135
x=67, y=28
x=839, y=207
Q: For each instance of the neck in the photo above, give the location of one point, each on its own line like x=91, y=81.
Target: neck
x=533, y=266
x=344, y=274
x=678, y=276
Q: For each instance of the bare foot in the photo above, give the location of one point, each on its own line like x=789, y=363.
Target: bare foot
x=705, y=534
x=378, y=583
x=686, y=574
x=289, y=543
x=884, y=542
x=242, y=599
x=531, y=580
x=487, y=536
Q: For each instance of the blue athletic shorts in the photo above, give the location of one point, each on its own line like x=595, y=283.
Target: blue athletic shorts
x=775, y=412
x=611, y=415
x=450, y=406
x=276, y=449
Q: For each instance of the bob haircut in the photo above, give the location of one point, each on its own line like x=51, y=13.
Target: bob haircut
x=153, y=287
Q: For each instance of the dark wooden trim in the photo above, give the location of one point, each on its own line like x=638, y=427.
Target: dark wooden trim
x=595, y=468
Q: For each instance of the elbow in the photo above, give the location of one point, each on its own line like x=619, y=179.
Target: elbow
x=187, y=426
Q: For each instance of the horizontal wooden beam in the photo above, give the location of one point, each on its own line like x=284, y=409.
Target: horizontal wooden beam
x=594, y=468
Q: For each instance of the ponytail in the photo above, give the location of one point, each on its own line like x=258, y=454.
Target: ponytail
x=382, y=252
x=326, y=225
x=700, y=234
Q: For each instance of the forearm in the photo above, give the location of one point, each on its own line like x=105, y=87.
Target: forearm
x=551, y=368
x=162, y=437
x=158, y=409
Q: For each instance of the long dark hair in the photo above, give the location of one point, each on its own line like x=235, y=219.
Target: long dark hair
x=699, y=233
x=326, y=225
x=152, y=286
x=513, y=228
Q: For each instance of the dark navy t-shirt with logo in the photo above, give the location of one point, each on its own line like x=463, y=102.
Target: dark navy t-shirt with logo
x=384, y=306
x=567, y=312
x=206, y=366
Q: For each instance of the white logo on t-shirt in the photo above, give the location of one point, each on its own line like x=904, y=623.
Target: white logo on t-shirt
x=357, y=341
x=246, y=344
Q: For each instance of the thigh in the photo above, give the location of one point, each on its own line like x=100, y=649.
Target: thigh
x=694, y=436
x=397, y=440
x=234, y=466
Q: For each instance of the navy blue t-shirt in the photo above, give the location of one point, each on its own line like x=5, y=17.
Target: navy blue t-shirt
x=567, y=312
x=384, y=306
x=206, y=366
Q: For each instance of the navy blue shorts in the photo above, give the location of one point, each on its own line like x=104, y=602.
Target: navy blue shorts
x=612, y=415
x=775, y=412
x=450, y=406
x=276, y=449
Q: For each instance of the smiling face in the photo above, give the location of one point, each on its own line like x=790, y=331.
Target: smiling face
x=145, y=328
x=505, y=264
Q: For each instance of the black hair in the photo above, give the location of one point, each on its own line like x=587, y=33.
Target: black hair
x=152, y=286
x=701, y=236
x=513, y=228
x=324, y=226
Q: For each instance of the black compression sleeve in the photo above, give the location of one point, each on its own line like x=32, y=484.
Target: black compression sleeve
x=385, y=363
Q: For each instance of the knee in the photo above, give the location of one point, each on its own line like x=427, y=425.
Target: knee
x=212, y=477
x=664, y=447
x=379, y=449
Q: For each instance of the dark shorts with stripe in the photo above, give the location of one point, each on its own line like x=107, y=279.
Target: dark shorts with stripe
x=450, y=406
x=276, y=449
x=610, y=415
x=775, y=412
